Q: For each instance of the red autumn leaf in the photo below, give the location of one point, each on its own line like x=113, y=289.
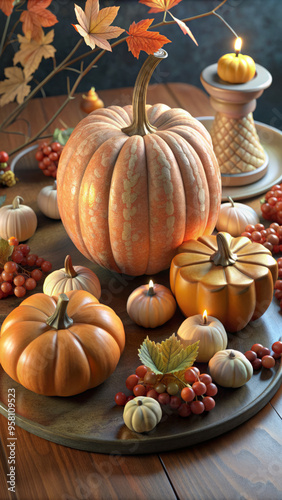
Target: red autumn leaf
x=160, y=5
x=141, y=39
x=35, y=17
x=6, y=6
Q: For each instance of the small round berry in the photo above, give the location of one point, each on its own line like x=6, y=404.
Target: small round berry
x=120, y=399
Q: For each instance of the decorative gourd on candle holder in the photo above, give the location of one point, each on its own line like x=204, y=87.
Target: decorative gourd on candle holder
x=135, y=182
x=240, y=155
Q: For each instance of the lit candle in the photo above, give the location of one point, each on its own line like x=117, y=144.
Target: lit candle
x=151, y=305
x=208, y=330
x=236, y=67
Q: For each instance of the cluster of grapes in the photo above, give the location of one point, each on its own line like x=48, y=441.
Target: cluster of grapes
x=196, y=397
x=15, y=279
x=278, y=284
x=271, y=237
x=48, y=156
x=260, y=356
x=271, y=207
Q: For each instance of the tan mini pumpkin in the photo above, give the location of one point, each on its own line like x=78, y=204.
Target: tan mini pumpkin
x=210, y=332
x=151, y=305
x=72, y=278
x=47, y=201
x=135, y=182
x=142, y=414
x=230, y=368
x=17, y=220
x=232, y=278
x=234, y=217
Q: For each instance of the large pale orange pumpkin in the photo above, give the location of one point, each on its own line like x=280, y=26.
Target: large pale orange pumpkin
x=135, y=182
x=61, y=345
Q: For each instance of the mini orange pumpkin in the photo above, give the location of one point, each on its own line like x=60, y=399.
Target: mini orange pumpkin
x=61, y=345
x=232, y=278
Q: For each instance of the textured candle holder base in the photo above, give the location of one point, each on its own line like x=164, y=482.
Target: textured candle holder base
x=241, y=157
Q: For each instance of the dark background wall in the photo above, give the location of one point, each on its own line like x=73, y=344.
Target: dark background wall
x=257, y=21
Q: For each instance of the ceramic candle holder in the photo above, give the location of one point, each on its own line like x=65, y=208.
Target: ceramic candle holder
x=241, y=157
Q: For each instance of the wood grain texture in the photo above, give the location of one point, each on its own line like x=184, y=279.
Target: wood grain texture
x=45, y=471
x=243, y=464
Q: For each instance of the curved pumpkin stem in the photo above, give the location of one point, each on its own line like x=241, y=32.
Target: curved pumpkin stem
x=231, y=201
x=16, y=202
x=60, y=320
x=69, y=270
x=223, y=257
x=140, y=124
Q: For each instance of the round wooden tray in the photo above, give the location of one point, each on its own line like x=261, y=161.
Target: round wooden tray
x=91, y=421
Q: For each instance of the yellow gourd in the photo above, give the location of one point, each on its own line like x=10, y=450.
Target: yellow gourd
x=234, y=68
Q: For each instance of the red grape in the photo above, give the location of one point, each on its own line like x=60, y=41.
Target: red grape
x=199, y=388
x=268, y=361
x=36, y=274
x=184, y=410
x=209, y=403
x=164, y=398
x=120, y=399
x=277, y=347
x=197, y=407
x=212, y=390
x=140, y=370
x=187, y=394
x=251, y=355
x=19, y=291
x=131, y=381
x=139, y=390
x=30, y=284
x=152, y=394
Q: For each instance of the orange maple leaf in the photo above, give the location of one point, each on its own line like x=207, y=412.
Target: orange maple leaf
x=141, y=39
x=94, y=24
x=35, y=17
x=6, y=6
x=160, y=5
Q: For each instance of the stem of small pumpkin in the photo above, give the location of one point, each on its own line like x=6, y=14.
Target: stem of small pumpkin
x=60, y=320
x=140, y=124
x=231, y=201
x=223, y=256
x=69, y=267
x=16, y=202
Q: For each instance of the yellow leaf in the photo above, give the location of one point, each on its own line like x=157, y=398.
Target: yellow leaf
x=31, y=52
x=14, y=86
x=94, y=24
x=169, y=356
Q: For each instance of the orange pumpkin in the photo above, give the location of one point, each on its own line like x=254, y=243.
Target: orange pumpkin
x=61, y=345
x=135, y=182
x=232, y=278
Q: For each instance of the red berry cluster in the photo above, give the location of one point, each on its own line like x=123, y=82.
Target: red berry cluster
x=4, y=158
x=15, y=278
x=195, y=397
x=260, y=356
x=48, y=156
x=271, y=206
x=270, y=238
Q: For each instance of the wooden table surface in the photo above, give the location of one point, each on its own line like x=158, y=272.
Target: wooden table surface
x=245, y=463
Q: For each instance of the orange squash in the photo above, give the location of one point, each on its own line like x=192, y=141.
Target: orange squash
x=61, y=345
x=135, y=182
x=232, y=278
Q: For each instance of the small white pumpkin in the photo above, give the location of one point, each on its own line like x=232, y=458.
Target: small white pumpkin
x=230, y=368
x=142, y=414
x=17, y=220
x=234, y=217
x=47, y=201
x=210, y=332
x=72, y=278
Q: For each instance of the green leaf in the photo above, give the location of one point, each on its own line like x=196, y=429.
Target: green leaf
x=6, y=251
x=169, y=356
x=2, y=200
x=62, y=136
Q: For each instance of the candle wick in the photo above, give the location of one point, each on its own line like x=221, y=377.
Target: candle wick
x=151, y=291
x=237, y=53
x=205, y=320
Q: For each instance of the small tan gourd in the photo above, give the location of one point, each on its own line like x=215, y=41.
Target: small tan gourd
x=17, y=220
x=142, y=414
x=230, y=368
x=47, y=201
x=210, y=332
x=72, y=278
x=234, y=217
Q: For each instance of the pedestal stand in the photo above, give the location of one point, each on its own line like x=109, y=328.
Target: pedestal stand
x=241, y=157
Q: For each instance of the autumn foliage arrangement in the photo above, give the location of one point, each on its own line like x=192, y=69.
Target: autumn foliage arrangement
x=96, y=28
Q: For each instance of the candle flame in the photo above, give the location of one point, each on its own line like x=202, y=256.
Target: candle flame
x=205, y=316
x=238, y=44
x=151, y=284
